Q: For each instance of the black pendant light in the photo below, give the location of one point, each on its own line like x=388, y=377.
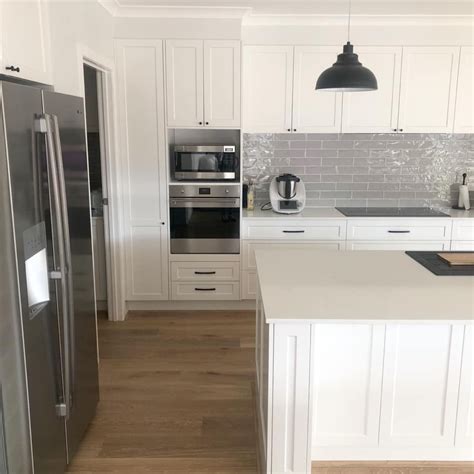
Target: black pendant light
x=347, y=74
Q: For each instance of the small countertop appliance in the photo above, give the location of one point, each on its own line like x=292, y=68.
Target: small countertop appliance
x=287, y=194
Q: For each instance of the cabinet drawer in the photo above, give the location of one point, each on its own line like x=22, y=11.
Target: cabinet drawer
x=249, y=247
x=291, y=230
x=206, y=291
x=399, y=229
x=205, y=271
x=463, y=229
x=249, y=285
x=407, y=245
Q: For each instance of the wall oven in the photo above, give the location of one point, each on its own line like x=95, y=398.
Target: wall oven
x=205, y=219
x=219, y=162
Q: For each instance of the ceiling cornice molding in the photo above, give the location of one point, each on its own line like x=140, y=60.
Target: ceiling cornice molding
x=252, y=17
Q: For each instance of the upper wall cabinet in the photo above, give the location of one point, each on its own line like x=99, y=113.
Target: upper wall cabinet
x=203, y=83
x=314, y=111
x=24, y=42
x=428, y=89
x=375, y=111
x=279, y=90
x=268, y=86
x=464, y=115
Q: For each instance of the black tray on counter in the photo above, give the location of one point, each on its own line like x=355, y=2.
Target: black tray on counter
x=438, y=266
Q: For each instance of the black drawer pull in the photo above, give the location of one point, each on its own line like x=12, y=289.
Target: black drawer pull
x=204, y=273
x=399, y=231
x=12, y=68
x=204, y=289
x=293, y=231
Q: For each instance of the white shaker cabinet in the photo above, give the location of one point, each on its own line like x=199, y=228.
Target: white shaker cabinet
x=267, y=88
x=314, y=111
x=24, y=40
x=464, y=116
x=141, y=117
x=184, y=83
x=203, y=83
x=100, y=272
x=420, y=385
x=375, y=111
x=428, y=89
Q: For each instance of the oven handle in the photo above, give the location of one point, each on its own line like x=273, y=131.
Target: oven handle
x=205, y=203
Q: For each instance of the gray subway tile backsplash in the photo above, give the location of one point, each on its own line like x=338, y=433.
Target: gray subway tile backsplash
x=362, y=169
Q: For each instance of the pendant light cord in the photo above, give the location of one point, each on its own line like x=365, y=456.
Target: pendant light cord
x=349, y=22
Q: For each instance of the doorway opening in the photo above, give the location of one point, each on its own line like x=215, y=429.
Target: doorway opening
x=94, y=95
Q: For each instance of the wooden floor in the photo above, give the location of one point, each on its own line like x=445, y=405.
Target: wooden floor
x=177, y=396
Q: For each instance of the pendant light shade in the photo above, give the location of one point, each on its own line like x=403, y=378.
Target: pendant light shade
x=347, y=74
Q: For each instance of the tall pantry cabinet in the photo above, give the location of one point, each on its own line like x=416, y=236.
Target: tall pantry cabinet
x=143, y=161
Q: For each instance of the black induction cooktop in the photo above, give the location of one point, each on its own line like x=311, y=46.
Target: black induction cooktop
x=390, y=212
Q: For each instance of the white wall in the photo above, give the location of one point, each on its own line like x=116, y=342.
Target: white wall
x=77, y=22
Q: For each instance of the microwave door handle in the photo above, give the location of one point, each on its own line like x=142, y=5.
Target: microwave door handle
x=59, y=273
x=69, y=339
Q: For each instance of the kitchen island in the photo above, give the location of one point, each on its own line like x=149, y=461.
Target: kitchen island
x=361, y=356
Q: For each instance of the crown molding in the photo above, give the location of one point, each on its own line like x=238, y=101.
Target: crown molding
x=254, y=17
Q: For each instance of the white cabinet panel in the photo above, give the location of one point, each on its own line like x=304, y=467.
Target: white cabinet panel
x=399, y=229
x=314, y=111
x=407, y=245
x=463, y=229
x=147, y=269
x=464, y=114
x=375, y=111
x=141, y=118
x=184, y=83
x=428, y=89
x=206, y=291
x=267, y=88
x=348, y=361
x=222, y=83
x=420, y=385
x=98, y=246
x=25, y=42
x=249, y=285
x=205, y=271
x=463, y=245
x=465, y=420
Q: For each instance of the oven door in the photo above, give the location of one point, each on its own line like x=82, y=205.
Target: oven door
x=205, y=165
x=205, y=225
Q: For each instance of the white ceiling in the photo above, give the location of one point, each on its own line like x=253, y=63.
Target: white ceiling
x=314, y=7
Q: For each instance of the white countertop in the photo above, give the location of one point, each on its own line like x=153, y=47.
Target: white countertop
x=331, y=212
x=302, y=285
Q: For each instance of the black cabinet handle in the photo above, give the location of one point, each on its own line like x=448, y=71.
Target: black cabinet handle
x=204, y=273
x=294, y=129
x=200, y=123
x=204, y=289
x=12, y=68
x=394, y=129
x=400, y=129
x=293, y=231
x=207, y=123
x=289, y=129
x=399, y=231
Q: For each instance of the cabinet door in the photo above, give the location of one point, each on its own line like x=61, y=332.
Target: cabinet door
x=347, y=374
x=428, y=89
x=420, y=385
x=268, y=86
x=314, y=111
x=375, y=111
x=140, y=82
x=464, y=114
x=465, y=423
x=24, y=40
x=184, y=83
x=222, y=83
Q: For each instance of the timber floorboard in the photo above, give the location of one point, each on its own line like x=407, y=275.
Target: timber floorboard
x=177, y=395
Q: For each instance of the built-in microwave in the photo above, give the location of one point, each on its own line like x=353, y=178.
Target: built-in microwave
x=209, y=162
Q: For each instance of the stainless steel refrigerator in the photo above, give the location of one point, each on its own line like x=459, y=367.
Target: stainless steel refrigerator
x=48, y=345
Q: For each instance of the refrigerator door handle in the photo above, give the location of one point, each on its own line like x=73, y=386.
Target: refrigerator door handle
x=61, y=272
x=69, y=339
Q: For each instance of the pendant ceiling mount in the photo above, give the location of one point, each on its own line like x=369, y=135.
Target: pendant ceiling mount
x=347, y=74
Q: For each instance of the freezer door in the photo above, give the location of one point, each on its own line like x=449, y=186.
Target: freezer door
x=22, y=149
x=68, y=114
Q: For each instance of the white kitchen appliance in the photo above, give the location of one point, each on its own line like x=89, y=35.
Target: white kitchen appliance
x=287, y=194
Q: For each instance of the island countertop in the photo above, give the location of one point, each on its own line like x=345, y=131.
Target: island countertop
x=303, y=285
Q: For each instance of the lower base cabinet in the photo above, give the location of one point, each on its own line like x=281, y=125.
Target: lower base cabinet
x=392, y=392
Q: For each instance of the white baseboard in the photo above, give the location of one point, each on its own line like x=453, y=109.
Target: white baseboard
x=244, y=305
